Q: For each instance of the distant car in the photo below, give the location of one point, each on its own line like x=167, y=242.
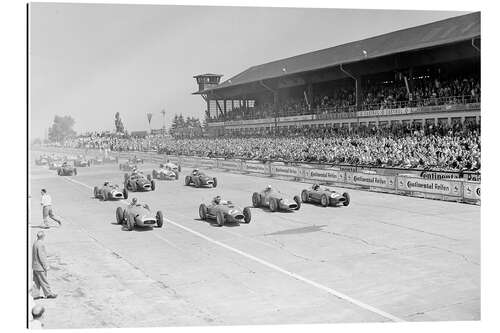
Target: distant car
x=55, y=164
x=138, y=182
x=66, y=169
x=164, y=172
x=81, y=162
x=199, y=178
x=325, y=196
x=127, y=166
x=42, y=160
x=138, y=215
x=275, y=200
x=224, y=212
x=110, y=192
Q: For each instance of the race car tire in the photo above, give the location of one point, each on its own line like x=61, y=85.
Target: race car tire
x=96, y=190
x=220, y=218
x=202, y=211
x=297, y=201
x=148, y=177
x=119, y=215
x=159, y=219
x=273, y=204
x=304, y=196
x=347, y=199
x=187, y=180
x=247, y=215
x=153, y=185
x=130, y=223
x=197, y=182
x=214, y=184
x=256, y=199
x=125, y=193
x=324, y=200
x=59, y=173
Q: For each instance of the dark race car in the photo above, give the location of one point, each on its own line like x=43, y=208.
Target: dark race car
x=127, y=166
x=199, y=178
x=275, y=200
x=164, y=172
x=325, y=196
x=66, y=169
x=82, y=162
x=224, y=211
x=139, y=215
x=137, y=182
x=110, y=192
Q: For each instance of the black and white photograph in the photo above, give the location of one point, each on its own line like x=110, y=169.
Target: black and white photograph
x=200, y=165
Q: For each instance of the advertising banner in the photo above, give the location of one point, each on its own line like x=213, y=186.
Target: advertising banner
x=326, y=175
x=229, y=164
x=443, y=187
x=207, y=162
x=255, y=167
x=284, y=170
x=472, y=190
x=372, y=180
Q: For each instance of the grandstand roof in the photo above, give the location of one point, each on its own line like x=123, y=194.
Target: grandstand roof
x=437, y=33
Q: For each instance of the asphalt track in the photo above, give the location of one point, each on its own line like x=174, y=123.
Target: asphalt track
x=383, y=258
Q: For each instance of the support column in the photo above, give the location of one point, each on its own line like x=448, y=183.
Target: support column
x=359, y=93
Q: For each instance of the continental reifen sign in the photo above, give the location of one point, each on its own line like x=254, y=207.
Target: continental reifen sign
x=324, y=175
x=443, y=187
x=229, y=165
x=255, y=167
x=283, y=170
x=371, y=180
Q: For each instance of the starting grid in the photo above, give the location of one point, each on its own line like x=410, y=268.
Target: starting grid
x=405, y=184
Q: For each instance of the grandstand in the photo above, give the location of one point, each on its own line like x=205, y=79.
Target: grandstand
x=429, y=74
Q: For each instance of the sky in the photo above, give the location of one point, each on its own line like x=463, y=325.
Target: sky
x=90, y=61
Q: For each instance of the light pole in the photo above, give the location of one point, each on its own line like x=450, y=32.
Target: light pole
x=163, y=113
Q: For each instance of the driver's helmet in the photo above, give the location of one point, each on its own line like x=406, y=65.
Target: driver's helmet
x=106, y=183
x=269, y=188
x=195, y=171
x=134, y=201
x=217, y=199
x=315, y=186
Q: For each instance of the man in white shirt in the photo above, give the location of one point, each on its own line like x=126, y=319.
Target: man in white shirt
x=46, y=203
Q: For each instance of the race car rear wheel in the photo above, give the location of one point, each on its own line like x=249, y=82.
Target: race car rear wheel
x=130, y=223
x=125, y=193
x=255, y=199
x=96, y=191
x=273, y=204
x=119, y=215
x=220, y=218
x=324, y=200
x=247, y=215
x=347, y=199
x=197, y=182
x=187, y=180
x=159, y=219
x=202, y=211
x=304, y=196
x=153, y=185
x=214, y=184
x=297, y=201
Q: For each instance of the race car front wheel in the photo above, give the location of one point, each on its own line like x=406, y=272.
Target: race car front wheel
x=324, y=200
x=159, y=219
x=347, y=199
x=247, y=215
x=220, y=218
x=255, y=199
x=304, y=196
x=119, y=215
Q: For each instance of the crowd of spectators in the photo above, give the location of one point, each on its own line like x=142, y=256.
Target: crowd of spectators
x=440, y=147
x=377, y=94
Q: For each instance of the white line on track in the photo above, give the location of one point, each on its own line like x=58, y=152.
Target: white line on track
x=276, y=268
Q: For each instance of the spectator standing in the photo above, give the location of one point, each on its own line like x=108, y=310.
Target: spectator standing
x=46, y=202
x=40, y=268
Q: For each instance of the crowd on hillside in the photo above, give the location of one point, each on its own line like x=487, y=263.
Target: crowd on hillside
x=425, y=91
x=442, y=146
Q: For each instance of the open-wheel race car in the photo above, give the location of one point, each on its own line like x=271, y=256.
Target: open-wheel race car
x=66, y=169
x=325, y=196
x=136, y=160
x=139, y=215
x=164, y=172
x=110, y=191
x=127, y=166
x=81, y=161
x=224, y=211
x=42, y=160
x=138, y=182
x=199, y=178
x=275, y=200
